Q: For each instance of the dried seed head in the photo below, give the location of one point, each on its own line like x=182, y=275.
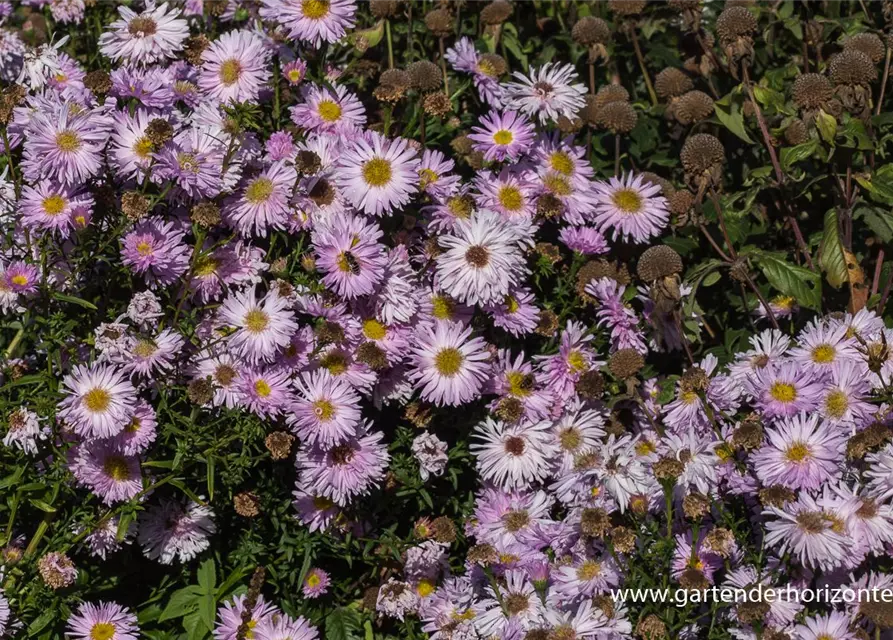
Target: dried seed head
x=672, y=82
x=610, y=93
x=330, y=332
x=595, y=522
x=425, y=75
x=720, y=541
x=549, y=251
x=98, y=82
x=392, y=85
x=681, y=202
x=589, y=31
x=372, y=355
x=159, y=131
x=462, y=145
x=200, y=391
x=596, y=269
x=437, y=104
x=877, y=611
x=482, y=554
x=279, y=444
x=658, y=262
x=667, y=469
x=134, y=205
x=418, y=414
x=695, y=380
x=752, y=611
x=307, y=162
x=549, y=206
x=439, y=22
x=623, y=539
x=206, y=214
x=665, y=185
x=382, y=8
x=812, y=91
x=651, y=628
x=625, y=363
x=194, y=47
x=869, y=44
x=443, y=530
x=694, y=579
x=796, y=132
x=493, y=65
x=510, y=409
x=10, y=97
x=57, y=570
x=694, y=106
x=618, y=117
x=591, y=385
x=868, y=440
x=734, y=23
x=852, y=68
x=695, y=506
x=749, y=434
x=547, y=323
x=247, y=504
x=776, y=495
x=627, y=7
x=496, y=12
x=701, y=154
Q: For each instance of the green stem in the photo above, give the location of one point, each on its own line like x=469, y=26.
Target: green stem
x=387, y=30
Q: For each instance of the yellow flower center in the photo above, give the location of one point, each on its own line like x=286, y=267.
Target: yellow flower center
x=334, y=362
x=142, y=147
x=797, y=452
x=487, y=68
x=425, y=588
x=324, y=410
x=102, y=631
x=460, y=207
x=145, y=348
x=315, y=9
x=374, y=330
x=783, y=392
x=187, y=162
x=627, y=200
x=115, y=467
x=645, y=448
x=577, y=362
x=20, y=280
x=511, y=304
x=322, y=503
x=97, y=400
x=688, y=397
x=562, y=163
x=503, y=137
x=510, y=198
x=230, y=71
x=256, y=321
x=836, y=403
x=426, y=177
x=144, y=248
x=262, y=389
x=329, y=110
x=588, y=570
x=206, y=266
x=313, y=580
x=558, y=184
x=519, y=384
x=259, y=191
x=442, y=308
x=133, y=426
x=823, y=354
x=54, y=205
x=294, y=76
x=724, y=452
x=783, y=302
x=570, y=439
x=68, y=141
x=448, y=361
x=377, y=172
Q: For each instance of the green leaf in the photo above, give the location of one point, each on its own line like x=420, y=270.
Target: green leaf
x=791, y=280
x=207, y=610
x=880, y=221
x=210, y=478
x=342, y=624
x=733, y=120
x=711, y=279
x=40, y=622
x=792, y=155
x=831, y=257
x=64, y=298
x=43, y=506
x=373, y=35
x=207, y=576
x=827, y=126
x=182, y=602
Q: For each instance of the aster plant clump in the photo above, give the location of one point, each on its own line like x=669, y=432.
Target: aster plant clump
x=390, y=319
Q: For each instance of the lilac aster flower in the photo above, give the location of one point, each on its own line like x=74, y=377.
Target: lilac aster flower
x=396, y=599
x=316, y=512
x=435, y=174
x=108, y=473
x=65, y=144
x=282, y=627
x=843, y=401
x=152, y=87
x=47, y=207
x=99, y=400
x=510, y=193
x=502, y=135
x=431, y=454
x=346, y=470
x=265, y=392
x=313, y=21
x=316, y=583
x=613, y=312
x=822, y=347
x=834, y=625
x=193, y=163
x=152, y=356
x=234, y=67
x=175, y=529
x=263, y=326
x=462, y=56
x=263, y=203
x=21, y=277
x=448, y=367
x=808, y=532
x=229, y=617
x=156, y=249
x=587, y=240
x=326, y=409
x=279, y=146
x=328, y=109
x=130, y=148
x=631, y=208
x=546, y=93
x=24, y=430
x=350, y=256
x=513, y=456
x=139, y=433
x=786, y=389
x=153, y=35
x=378, y=176
x=527, y=610
x=102, y=621
x=294, y=72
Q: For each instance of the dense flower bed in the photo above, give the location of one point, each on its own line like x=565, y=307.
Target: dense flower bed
x=402, y=320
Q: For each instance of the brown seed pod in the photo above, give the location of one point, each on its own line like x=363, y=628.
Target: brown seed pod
x=812, y=91
x=694, y=106
x=382, y=8
x=590, y=30
x=425, y=75
x=702, y=157
x=439, y=22
x=734, y=23
x=625, y=363
x=868, y=43
x=437, y=104
x=796, y=132
x=618, y=117
x=852, y=68
x=627, y=7
x=672, y=82
x=658, y=262
x=496, y=12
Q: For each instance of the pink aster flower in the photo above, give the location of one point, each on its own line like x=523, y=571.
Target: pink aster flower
x=108, y=473
x=328, y=109
x=153, y=35
x=821, y=347
x=834, y=625
x=587, y=240
x=294, y=72
x=502, y=135
x=808, y=532
x=378, y=176
x=313, y=21
x=152, y=356
x=462, y=56
x=130, y=148
x=263, y=203
x=350, y=256
x=229, y=616
x=547, y=92
x=316, y=512
x=435, y=174
x=99, y=400
x=192, y=161
x=786, y=389
x=175, y=529
x=21, y=277
x=139, y=433
x=263, y=327
x=513, y=456
x=631, y=208
x=279, y=146
x=234, y=67
x=156, y=249
x=346, y=470
x=617, y=315
x=326, y=410
x=106, y=620
x=265, y=392
x=316, y=583
x=510, y=193
x=283, y=627
x=52, y=208
x=448, y=367
x=517, y=314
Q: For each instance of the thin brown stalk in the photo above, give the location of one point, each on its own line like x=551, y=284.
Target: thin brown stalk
x=617, y=154
x=876, y=280
x=779, y=175
x=641, y=59
x=716, y=247
x=880, y=100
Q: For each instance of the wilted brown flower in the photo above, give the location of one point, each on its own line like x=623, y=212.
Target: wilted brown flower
x=658, y=262
x=496, y=12
x=247, y=504
x=392, y=85
x=617, y=117
x=625, y=363
x=702, y=158
x=672, y=82
x=279, y=444
x=694, y=106
x=589, y=31
x=651, y=628
x=425, y=75
x=437, y=104
x=206, y=214
x=868, y=43
x=134, y=205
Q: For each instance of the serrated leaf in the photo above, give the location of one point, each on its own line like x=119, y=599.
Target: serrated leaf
x=342, y=624
x=789, y=279
x=733, y=120
x=831, y=257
